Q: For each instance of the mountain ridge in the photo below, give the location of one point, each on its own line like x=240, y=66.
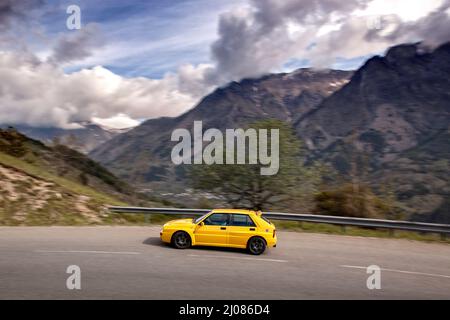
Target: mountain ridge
x=84, y=139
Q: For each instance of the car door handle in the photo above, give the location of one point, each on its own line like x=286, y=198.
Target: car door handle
x=223, y=228
x=252, y=229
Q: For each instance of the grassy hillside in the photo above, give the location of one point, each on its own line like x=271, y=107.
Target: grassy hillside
x=42, y=185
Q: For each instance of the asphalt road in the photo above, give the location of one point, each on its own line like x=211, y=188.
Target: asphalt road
x=132, y=263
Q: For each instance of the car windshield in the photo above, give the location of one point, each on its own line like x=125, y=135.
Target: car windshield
x=200, y=218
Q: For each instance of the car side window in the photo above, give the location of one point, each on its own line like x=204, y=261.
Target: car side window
x=241, y=220
x=217, y=219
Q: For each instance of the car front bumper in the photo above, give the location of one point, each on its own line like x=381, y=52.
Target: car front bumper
x=165, y=236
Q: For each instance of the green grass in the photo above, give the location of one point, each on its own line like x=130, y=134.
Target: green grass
x=57, y=210
x=145, y=219
x=71, y=186
x=356, y=231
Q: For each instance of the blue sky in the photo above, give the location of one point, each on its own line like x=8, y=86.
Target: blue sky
x=144, y=38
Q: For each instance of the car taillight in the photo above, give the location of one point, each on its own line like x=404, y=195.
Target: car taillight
x=274, y=231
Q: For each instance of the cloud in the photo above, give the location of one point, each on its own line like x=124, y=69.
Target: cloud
x=12, y=11
x=16, y=18
x=76, y=46
x=40, y=94
x=119, y=121
x=348, y=42
x=192, y=79
x=261, y=38
x=360, y=35
x=432, y=29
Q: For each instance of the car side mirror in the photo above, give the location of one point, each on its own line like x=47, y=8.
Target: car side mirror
x=201, y=224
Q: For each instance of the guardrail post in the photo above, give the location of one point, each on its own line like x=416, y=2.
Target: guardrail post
x=443, y=236
x=146, y=218
x=391, y=232
x=343, y=228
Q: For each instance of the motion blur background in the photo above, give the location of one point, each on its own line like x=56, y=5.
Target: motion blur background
x=359, y=90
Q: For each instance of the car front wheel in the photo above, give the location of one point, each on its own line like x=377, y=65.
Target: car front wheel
x=181, y=240
x=256, y=245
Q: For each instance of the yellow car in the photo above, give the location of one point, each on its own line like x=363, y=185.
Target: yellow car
x=234, y=228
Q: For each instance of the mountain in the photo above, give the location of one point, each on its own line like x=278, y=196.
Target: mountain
x=395, y=111
x=142, y=155
x=55, y=185
x=83, y=139
x=392, y=114
x=391, y=104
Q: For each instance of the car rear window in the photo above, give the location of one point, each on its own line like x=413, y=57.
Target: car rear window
x=265, y=219
x=241, y=220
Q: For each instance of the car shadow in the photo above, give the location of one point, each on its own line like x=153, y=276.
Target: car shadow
x=218, y=249
x=156, y=241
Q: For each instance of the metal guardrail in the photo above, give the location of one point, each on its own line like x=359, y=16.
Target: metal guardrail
x=443, y=229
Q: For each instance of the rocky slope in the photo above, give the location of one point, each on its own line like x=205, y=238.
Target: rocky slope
x=41, y=185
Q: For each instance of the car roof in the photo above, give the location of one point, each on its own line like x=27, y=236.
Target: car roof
x=243, y=211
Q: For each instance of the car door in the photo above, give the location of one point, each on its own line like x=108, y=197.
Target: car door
x=241, y=228
x=213, y=231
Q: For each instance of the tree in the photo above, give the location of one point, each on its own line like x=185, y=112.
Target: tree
x=83, y=179
x=73, y=142
x=346, y=200
x=56, y=141
x=351, y=195
x=12, y=142
x=243, y=186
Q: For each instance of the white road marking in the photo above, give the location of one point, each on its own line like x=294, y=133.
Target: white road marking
x=82, y=251
x=232, y=257
x=401, y=271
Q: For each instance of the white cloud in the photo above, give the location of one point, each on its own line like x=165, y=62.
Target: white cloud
x=119, y=121
x=41, y=94
x=265, y=36
x=262, y=38
x=407, y=10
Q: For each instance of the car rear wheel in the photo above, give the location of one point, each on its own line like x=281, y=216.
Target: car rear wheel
x=181, y=240
x=256, y=245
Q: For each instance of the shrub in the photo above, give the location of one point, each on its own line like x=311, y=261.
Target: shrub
x=350, y=200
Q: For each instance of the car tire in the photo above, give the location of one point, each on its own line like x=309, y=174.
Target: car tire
x=256, y=245
x=181, y=240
